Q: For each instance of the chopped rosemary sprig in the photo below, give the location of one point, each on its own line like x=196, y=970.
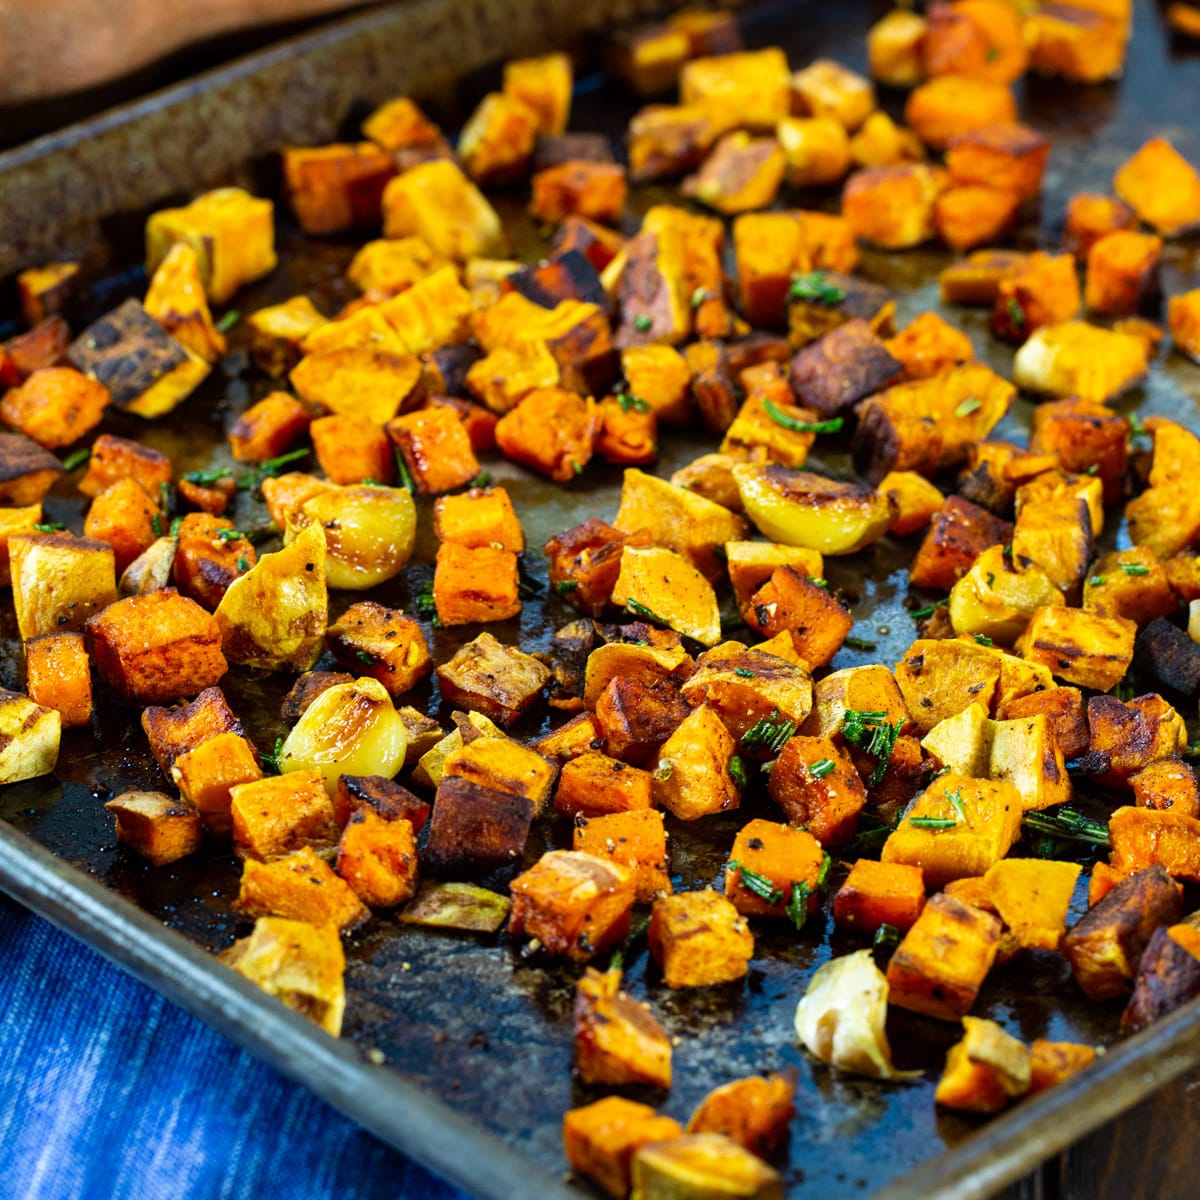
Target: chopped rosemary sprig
x=156, y=524
x=833, y=425
x=968, y=406
x=271, y=761
x=243, y=564
x=982, y=639
x=631, y=403
x=1096, y=581
x=821, y=768
x=816, y=287
x=426, y=605
x=406, y=479
x=619, y=956
x=932, y=822
x=768, y=734
x=1016, y=314
x=797, y=905
x=77, y=459
x=203, y=478
x=743, y=673
x=228, y=321
x=482, y=480
x=887, y=938
x=1135, y=569
x=870, y=731
x=857, y=643
x=701, y=294
x=737, y=772
x=956, y=802
x=640, y=610
x=756, y=884
x=564, y=587
x=364, y=657
x=49, y=527
x=1068, y=825
x=920, y=614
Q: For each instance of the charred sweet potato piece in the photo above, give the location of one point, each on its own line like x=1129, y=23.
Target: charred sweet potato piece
x=1084, y=435
x=1167, y=784
x=45, y=345
x=1170, y=657
x=379, y=795
x=278, y=814
x=336, y=187
x=278, y=331
x=574, y=904
x=1168, y=976
x=958, y=535
x=741, y=174
x=1161, y=186
x=636, y=718
x=1125, y=737
x=592, y=190
x=27, y=471
x=155, y=648
x=173, y=731
x=505, y=765
x=400, y=126
x=1081, y=42
x=382, y=643
x=436, y=449
x=601, y=1139
x=790, y=600
x=1010, y=158
x=475, y=584
x=754, y=1112
x=496, y=143
x=475, y=828
x=699, y=939
x=301, y=887
x=1122, y=273
x=46, y=291
x=876, y=894
x=55, y=406
x=1105, y=945
x=617, y=1040
x=817, y=787
x=789, y=860
x=176, y=300
x=943, y=960
x=159, y=827
x=846, y=365
x=636, y=839
x=58, y=676
x=551, y=431
x=976, y=279
x=1080, y=647
x=207, y=558
x=496, y=680
x=585, y=562
x=59, y=581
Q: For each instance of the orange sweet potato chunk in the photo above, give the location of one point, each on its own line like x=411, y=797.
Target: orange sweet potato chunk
x=637, y=840
x=595, y=784
x=156, y=648
x=552, y=431
x=475, y=584
x=480, y=517
x=790, y=600
x=436, y=449
x=876, y=894
x=817, y=786
x=788, y=858
x=278, y=814
x=601, y=1139
x=378, y=859
x=114, y=458
x=268, y=428
x=301, y=887
x=55, y=406
x=58, y=676
x=754, y=1112
x=127, y=518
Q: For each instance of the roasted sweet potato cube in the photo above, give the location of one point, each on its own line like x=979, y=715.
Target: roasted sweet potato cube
x=1091, y=217
x=176, y=300
x=876, y=894
x=505, y=765
x=15, y=521
x=1079, y=41
x=1080, y=647
x=480, y=517
x=635, y=839
x=592, y=785
x=659, y=376
x=1125, y=737
x=976, y=279
x=567, y=276
x=893, y=207
x=846, y=365
x=817, y=787
x=125, y=517
x=751, y=564
x=1143, y=837
x=1122, y=273
x=475, y=584
x=1105, y=945
x=55, y=406
x=1044, y=292
x=894, y=48
x=1166, y=784
x=594, y=191
x=575, y=904
x=790, y=600
x=301, y=887
x=617, y=1039
x=750, y=687
x=974, y=38
x=1084, y=435
x=1032, y=897
x=769, y=248
x=47, y=290
x=949, y=106
x=370, y=639
x=1051, y=1063
x=862, y=689
x=940, y=678
x=1078, y=359
x=378, y=859
x=585, y=562
x=693, y=777
x=748, y=89
x=985, y=1071
x=59, y=581
x=972, y=214
x=58, y=676
x=115, y=458
x=27, y=471
x=159, y=827
x=437, y=202
x=336, y=187
x=207, y=773
x=943, y=960
x=389, y=266
x=277, y=332
x=600, y=1139
x=699, y=939
x=648, y=57
x=173, y=731
x=476, y=828
x=596, y=243
x=207, y=557
x=1168, y=976
x=1011, y=158
x=816, y=150
x=436, y=449
x=544, y=85
x=754, y=1112
x=637, y=651
x=1064, y=710
x=636, y=718
x=551, y=431
x=914, y=499
x=790, y=860
x=627, y=435
x=496, y=680
x=269, y=427
x=826, y=88
x=399, y=125
x=496, y=143
x=156, y=648
x=1161, y=186
x=960, y=532
x=741, y=174
x=278, y=814
x=45, y=345
x=668, y=139
x=1024, y=751
x=379, y=795
x=970, y=844
x=1183, y=317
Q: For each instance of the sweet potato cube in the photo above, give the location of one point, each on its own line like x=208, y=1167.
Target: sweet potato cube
x=278, y=331
x=1044, y=292
x=1106, y=943
x=1080, y=647
x=668, y=139
x=58, y=676
x=1051, y=1063
x=269, y=427
x=601, y=1139
x=741, y=174
x=585, y=562
x=848, y=364
x=159, y=827
x=115, y=458
x=948, y=106
x=1078, y=359
x=659, y=375
x=504, y=765
x=1125, y=737
x=436, y=449
x=336, y=187
x=699, y=939
x=968, y=845
x=300, y=963
x=46, y=290
x=633, y=838
x=1084, y=435
x=300, y=887
x=1064, y=710
x=789, y=859
x=1091, y=217
x=1032, y=896
x=972, y=214
x=596, y=243
x=1183, y=317
x=693, y=774
x=617, y=1039
x=1079, y=41
x=636, y=716
x=496, y=143
x=863, y=689
x=816, y=150
x=208, y=773
x=437, y=202
x=1165, y=784
x=1161, y=186
x=1010, y=158
x=475, y=584
x=892, y=207
x=876, y=894
x=594, y=191
x=915, y=501
x=207, y=559
x=748, y=89
x=176, y=300
x=940, y=965
x=551, y=431
x=894, y=48
x=59, y=581
x=55, y=406
x=476, y=828
x=754, y=1112
x=574, y=904
x=378, y=859
x=497, y=680
x=960, y=533
x=174, y=731
x=1143, y=837
x=817, y=787
x=126, y=517
x=1168, y=976
x=976, y=279
x=748, y=687
x=594, y=784
x=42, y=346
x=278, y=814
x=928, y=346
x=380, y=795
x=940, y=678
x=1122, y=273
x=370, y=639
x=480, y=517
x=27, y=472
x=975, y=38
x=751, y=564
x=400, y=126
x=231, y=232
x=985, y=1071
x=156, y=648
x=389, y=266
x=790, y=600
x=658, y=583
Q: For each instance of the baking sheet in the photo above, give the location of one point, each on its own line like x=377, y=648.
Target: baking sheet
x=469, y=1022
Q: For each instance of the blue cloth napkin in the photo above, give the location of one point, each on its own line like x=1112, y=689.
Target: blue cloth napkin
x=109, y=1092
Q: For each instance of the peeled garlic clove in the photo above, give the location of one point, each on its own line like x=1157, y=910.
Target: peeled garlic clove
x=349, y=729
x=841, y=1018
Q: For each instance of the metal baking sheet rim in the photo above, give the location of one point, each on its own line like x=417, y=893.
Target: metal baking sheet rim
x=435, y=1135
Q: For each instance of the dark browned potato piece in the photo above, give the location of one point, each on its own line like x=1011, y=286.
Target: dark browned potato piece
x=175, y=731
x=553, y=149
x=384, y=797
x=848, y=363
x=476, y=829
x=27, y=472
x=637, y=717
x=496, y=680
x=1170, y=658
x=566, y=276
x=1168, y=976
x=1105, y=945
x=569, y=650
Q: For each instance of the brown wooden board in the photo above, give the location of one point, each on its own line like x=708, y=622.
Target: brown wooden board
x=466, y=1022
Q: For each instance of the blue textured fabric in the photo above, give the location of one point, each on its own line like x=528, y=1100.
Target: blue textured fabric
x=109, y=1092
